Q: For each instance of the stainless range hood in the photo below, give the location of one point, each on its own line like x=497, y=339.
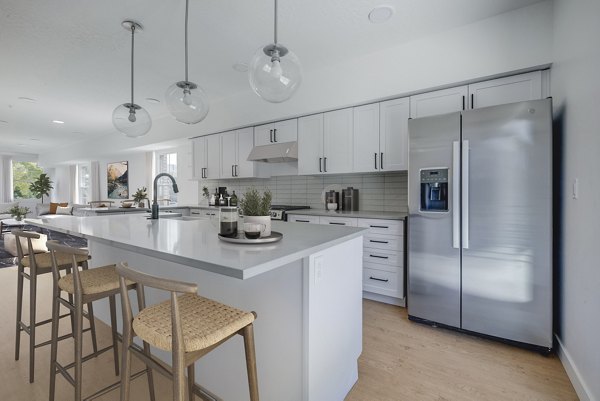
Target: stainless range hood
x=275, y=153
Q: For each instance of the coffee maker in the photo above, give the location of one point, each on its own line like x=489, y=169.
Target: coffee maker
x=332, y=198
x=350, y=199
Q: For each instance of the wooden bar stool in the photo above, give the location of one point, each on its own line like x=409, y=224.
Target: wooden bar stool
x=37, y=264
x=83, y=287
x=190, y=326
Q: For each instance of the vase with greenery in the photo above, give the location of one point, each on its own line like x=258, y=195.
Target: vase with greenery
x=41, y=186
x=18, y=212
x=256, y=207
x=140, y=195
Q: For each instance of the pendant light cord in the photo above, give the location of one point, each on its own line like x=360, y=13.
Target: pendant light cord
x=132, y=52
x=275, y=24
x=187, y=4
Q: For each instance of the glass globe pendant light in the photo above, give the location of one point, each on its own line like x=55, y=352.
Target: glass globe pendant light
x=186, y=101
x=274, y=71
x=130, y=118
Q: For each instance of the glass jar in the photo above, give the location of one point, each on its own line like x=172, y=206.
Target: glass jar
x=228, y=222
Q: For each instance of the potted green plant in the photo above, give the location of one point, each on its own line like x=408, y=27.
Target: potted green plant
x=140, y=195
x=255, y=208
x=18, y=212
x=206, y=194
x=41, y=186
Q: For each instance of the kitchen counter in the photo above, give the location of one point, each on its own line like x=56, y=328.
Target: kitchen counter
x=306, y=290
x=365, y=214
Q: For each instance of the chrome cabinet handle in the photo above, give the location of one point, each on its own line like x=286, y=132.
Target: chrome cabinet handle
x=372, y=226
x=271, y=135
x=375, y=161
x=302, y=221
x=275, y=135
x=381, y=161
x=337, y=224
x=378, y=279
x=378, y=242
x=325, y=164
x=320, y=163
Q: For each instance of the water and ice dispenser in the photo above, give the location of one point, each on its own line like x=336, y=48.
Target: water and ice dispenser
x=434, y=190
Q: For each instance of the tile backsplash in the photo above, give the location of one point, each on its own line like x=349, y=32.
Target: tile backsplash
x=387, y=192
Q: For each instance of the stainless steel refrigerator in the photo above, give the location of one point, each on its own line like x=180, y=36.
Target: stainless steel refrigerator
x=480, y=222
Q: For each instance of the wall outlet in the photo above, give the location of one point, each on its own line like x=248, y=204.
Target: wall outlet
x=318, y=269
x=576, y=188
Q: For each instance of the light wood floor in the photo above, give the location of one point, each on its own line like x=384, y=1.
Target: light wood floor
x=401, y=361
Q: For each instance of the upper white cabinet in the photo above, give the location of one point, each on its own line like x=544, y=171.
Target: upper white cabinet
x=381, y=136
x=439, y=102
x=337, y=141
x=366, y=138
x=280, y=131
x=310, y=144
x=325, y=143
x=207, y=157
x=516, y=88
x=235, y=148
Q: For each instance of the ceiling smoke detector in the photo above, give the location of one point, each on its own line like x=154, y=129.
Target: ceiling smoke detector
x=381, y=14
x=58, y=122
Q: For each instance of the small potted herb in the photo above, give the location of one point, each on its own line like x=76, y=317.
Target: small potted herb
x=18, y=212
x=256, y=207
x=140, y=195
x=206, y=194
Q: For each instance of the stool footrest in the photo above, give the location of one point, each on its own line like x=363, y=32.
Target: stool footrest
x=88, y=357
x=113, y=386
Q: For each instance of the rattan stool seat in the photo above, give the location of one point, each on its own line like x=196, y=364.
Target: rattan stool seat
x=205, y=322
x=93, y=281
x=44, y=260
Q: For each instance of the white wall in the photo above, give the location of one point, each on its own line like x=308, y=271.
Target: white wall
x=576, y=91
x=507, y=42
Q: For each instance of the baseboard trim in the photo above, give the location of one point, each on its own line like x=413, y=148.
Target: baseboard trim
x=576, y=380
x=384, y=298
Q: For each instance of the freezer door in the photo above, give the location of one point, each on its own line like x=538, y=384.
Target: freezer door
x=507, y=266
x=433, y=243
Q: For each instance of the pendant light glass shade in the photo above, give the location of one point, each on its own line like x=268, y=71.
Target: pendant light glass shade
x=187, y=102
x=130, y=118
x=274, y=75
x=132, y=122
x=274, y=72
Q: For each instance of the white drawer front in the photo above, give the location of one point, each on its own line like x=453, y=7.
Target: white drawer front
x=377, y=226
x=387, y=242
x=383, y=282
x=339, y=221
x=383, y=257
x=303, y=219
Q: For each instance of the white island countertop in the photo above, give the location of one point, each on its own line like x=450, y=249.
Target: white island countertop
x=195, y=243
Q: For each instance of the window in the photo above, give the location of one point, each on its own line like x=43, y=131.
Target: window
x=24, y=173
x=166, y=163
x=83, y=184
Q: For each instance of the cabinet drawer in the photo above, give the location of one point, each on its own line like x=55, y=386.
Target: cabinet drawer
x=383, y=282
x=383, y=257
x=303, y=219
x=387, y=242
x=339, y=221
x=377, y=226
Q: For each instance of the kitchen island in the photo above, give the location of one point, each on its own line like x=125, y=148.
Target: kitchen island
x=306, y=290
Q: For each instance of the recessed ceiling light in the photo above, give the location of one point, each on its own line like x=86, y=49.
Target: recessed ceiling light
x=34, y=139
x=240, y=67
x=27, y=99
x=77, y=133
x=58, y=122
x=152, y=100
x=381, y=14
x=3, y=122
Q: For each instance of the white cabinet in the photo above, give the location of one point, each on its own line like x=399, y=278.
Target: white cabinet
x=207, y=157
x=381, y=136
x=516, y=88
x=297, y=218
x=439, y=102
x=366, y=138
x=235, y=148
x=325, y=143
x=337, y=141
x=338, y=221
x=310, y=144
x=280, y=131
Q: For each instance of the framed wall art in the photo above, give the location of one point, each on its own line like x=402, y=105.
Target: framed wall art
x=118, y=180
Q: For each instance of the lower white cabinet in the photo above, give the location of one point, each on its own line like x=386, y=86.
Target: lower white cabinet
x=383, y=254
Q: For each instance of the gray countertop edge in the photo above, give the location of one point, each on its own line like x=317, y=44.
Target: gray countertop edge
x=217, y=269
x=364, y=214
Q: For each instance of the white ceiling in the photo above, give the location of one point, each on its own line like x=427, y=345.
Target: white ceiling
x=73, y=57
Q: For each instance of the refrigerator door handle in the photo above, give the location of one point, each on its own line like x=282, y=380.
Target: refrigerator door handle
x=465, y=194
x=455, y=194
